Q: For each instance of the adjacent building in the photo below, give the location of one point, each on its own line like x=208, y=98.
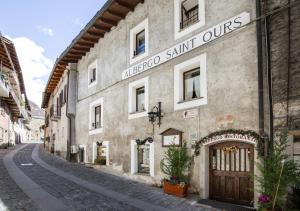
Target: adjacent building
x=144, y=74
x=14, y=105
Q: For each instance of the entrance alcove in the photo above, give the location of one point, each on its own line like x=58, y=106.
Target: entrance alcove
x=213, y=148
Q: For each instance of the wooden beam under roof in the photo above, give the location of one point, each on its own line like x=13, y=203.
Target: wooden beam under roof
x=90, y=39
x=116, y=14
x=85, y=44
x=108, y=21
x=79, y=47
x=101, y=27
x=96, y=34
x=125, y=5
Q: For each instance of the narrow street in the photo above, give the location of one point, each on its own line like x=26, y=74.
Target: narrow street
x=36, y=180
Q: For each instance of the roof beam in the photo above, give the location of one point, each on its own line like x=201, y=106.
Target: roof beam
x=104, y=28
x=80, y=47
x=92, y=40
x=85, y=44
x=116, y=14
x=125, y=4
x=109, y=22
x=95, y=34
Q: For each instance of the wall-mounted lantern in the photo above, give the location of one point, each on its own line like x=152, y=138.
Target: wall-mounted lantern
x=156, y=113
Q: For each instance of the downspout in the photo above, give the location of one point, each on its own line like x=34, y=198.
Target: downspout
x=69, y=136
x=269, y=77
x=260, y=70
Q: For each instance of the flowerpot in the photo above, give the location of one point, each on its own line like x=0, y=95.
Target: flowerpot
x=176, y=190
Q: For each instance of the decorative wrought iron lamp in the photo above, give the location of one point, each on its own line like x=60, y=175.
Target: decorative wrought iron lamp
x=156, y=113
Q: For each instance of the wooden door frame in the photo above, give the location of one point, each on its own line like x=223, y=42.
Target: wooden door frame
x=203, y=165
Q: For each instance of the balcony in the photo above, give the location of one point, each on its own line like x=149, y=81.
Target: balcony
x=55, y=113
x=4, y=87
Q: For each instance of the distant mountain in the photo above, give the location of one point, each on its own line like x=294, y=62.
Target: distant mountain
x=35, y=110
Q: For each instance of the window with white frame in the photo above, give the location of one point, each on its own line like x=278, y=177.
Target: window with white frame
x=92, y=74
x=189, y=15
x=96, y=116
x=190, y=86
x=139, y=44
x=138, y=98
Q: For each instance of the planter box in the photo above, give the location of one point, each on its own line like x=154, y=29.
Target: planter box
x=176, y=190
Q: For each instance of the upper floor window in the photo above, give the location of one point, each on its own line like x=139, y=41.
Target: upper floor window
x=139, y=44
x=92, y=74
x=140, y=99
x=96, y=117
x=191, y=83
x=189, y=15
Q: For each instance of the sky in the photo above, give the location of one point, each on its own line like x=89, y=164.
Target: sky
x=41, y=30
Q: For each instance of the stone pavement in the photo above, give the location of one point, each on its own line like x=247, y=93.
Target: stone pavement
x=11, y=196
x=81, y=188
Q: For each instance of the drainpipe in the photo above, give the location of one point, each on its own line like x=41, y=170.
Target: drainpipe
x=260, y=69
x=69, y=136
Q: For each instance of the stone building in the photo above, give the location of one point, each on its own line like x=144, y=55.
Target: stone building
x=14, y=105
x=200, y=64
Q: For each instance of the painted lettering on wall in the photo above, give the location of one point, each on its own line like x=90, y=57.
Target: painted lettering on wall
x=189, y=44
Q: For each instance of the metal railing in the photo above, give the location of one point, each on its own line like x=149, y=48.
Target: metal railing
x=55, y=112
x=192, y=17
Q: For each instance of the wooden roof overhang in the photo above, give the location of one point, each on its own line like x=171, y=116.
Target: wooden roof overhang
x=107, y=17
x=9, y=59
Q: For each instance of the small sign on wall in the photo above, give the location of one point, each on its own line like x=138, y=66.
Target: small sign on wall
x=190, y=113
x=171, y=136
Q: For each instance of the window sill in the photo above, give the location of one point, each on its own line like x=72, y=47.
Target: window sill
x=185, y=101
x=92, y=84
x=138, y=57
x=137, y=114
x=95, y=131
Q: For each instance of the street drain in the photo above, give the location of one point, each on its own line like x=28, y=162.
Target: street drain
x=26, y=164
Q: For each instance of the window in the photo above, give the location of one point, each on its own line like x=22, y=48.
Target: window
x=97, y=121
x=191, y=83
x=138, y=98
x=96, y=117
x=189, y=15
x=190, y=89
x=92, y=74
x=139, y=44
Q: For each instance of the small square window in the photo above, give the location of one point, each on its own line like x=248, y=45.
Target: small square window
x=140, y=99
x=140, y=43
x=92, y=75
x=191, y=83
x=189, y=13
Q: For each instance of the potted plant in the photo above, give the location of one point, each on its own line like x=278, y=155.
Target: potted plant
x=100, y=160
x=277, y=174
x=175, y=164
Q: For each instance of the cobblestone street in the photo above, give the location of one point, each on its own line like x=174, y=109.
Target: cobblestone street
x=60, y=185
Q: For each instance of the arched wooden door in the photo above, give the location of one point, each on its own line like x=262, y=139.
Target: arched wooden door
x=231, y=172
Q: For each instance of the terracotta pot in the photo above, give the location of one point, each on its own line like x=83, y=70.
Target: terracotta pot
x=176, y=190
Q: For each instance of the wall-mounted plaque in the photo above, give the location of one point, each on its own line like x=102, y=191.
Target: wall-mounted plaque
x=171, y=136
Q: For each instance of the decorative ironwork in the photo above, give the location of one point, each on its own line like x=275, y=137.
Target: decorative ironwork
x=156, y=113
x=142, y=142
x=230, y=149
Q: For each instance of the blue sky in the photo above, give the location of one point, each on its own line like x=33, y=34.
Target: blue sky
x=41, y=30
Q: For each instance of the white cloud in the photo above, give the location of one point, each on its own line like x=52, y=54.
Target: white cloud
x=45, y=30
x=35, y=66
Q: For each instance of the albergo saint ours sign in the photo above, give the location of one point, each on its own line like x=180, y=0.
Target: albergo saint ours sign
x=206, y=36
